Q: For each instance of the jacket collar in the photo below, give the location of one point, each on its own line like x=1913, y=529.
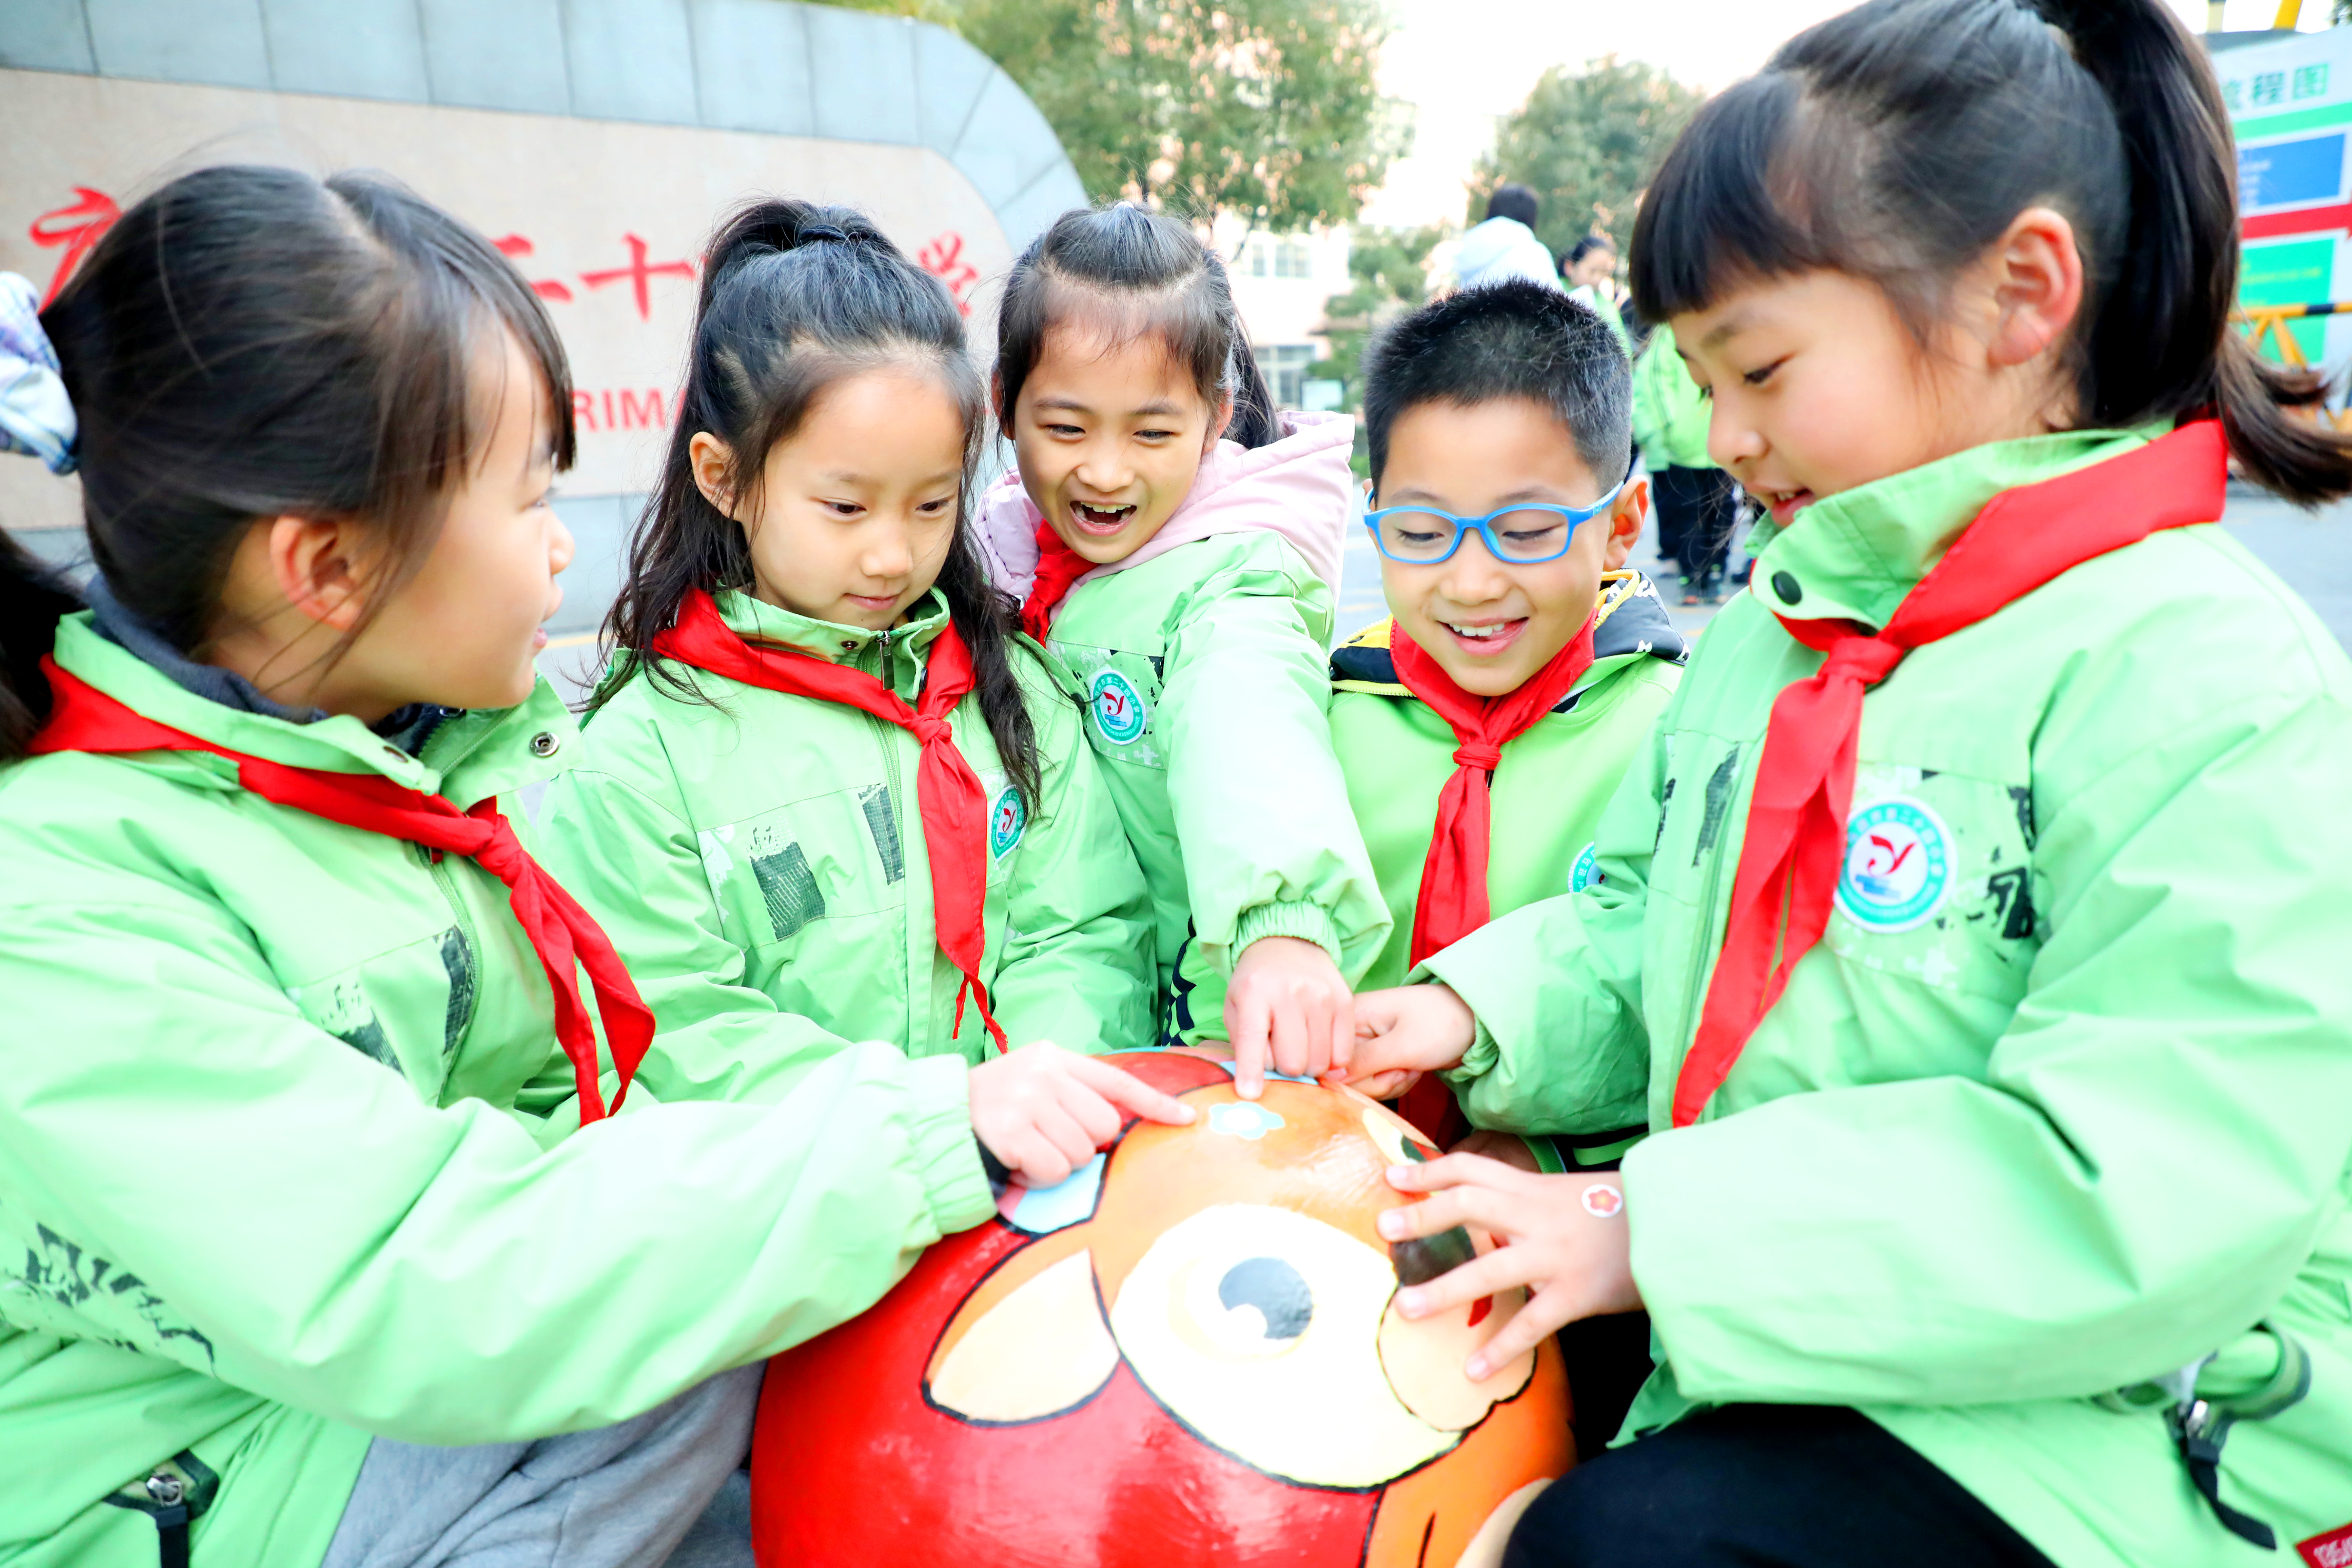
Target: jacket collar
x=1632, y=626
x=1854, y=555
x=895, y=657
x=469, y=757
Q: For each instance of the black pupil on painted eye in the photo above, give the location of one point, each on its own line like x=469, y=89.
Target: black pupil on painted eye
x=1276, y=1289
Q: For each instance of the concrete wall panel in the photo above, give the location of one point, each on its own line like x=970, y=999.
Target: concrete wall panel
x=218, y=42
x=505, y=56
x=864, y=71
x=630, y=59
x=950, y=78
x=751, y=59
x=47, y=36
x=358, y=48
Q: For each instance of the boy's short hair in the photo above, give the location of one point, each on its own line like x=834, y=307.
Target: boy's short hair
x=1512, y=339
x=1513, y=201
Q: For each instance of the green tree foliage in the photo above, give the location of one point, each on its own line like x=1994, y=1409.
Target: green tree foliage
x=1587, y=141
x=1390, y=268
x=1262, y=108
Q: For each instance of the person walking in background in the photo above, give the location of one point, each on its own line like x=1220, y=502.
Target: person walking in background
x=1506, y=246
x=1589, y=273
x=1697, y=503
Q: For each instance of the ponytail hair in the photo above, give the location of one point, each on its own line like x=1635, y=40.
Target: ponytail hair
x=33, y=599
x=794, y=298
x=1897, y=140
x=250, y=343
x=1134, y=273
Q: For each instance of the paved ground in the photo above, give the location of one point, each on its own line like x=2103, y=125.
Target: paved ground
x=2312, y=551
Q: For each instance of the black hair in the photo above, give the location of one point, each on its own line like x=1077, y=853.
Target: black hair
x=796, y=297
x=1133, y=273
x=1513, y=201
x=250, y=343
x=1513, y=339
x=33, y=599
x=1899, y=140
x=1586, y=246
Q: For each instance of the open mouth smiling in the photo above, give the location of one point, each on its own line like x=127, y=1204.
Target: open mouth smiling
x=1100, y=520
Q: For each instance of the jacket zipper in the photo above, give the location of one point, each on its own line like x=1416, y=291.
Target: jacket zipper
x=465, y=936
x=1691, y=995
x=887, y=737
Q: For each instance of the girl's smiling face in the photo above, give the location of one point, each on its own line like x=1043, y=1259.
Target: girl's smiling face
x=1110, y=436
x=855, y=511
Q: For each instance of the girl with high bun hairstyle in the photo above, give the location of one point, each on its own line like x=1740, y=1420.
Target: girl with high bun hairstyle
x=1973, y=935
x=353, y=1211
x=1175, y=540
x=823, y=777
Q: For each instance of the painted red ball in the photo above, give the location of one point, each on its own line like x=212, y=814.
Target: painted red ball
x=1185, y=1353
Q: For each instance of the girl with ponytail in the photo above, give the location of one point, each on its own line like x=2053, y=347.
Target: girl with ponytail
x=308, y=1249
x=1175, y=540
x=1974, y=936
x=822, y=775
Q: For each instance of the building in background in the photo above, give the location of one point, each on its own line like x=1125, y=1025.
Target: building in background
x=1280, y=282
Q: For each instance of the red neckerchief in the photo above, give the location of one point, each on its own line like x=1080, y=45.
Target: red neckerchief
x=1452, y=902
x=84, y=718
x=1452, y=899
x=954, y=808
x=1058, y=568
x=1795, y=844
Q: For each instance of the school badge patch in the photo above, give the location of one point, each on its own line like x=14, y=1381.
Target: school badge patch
x=1898, y=866
x=1118, y=708
x=2332, y=1550
x=1007, y=819
x=1587, y=870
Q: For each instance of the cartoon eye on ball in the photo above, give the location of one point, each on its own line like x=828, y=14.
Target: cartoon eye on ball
x=1188, y=1352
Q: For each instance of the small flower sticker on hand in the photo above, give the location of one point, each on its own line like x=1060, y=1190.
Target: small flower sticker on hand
x=1602, y=1201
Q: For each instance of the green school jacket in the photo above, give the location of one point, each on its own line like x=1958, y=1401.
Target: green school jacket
x=1601, y=303
x=289, y=1154
x=2060, y=1110
x=1546, y=797
x=1670, y=412
x=1206, y=698
x=767, y=855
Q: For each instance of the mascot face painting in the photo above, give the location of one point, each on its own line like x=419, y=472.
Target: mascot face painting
x=1185, y=1353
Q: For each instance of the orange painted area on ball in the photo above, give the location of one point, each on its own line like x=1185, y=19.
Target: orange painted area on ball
x=1187, y=1354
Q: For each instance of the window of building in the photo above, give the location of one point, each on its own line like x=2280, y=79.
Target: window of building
x=1285, y=366
x=1266, y=256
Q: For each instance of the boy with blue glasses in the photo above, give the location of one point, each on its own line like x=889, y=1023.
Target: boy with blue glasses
x=1483, y=727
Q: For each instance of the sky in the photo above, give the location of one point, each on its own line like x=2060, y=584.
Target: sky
x=1461, y=64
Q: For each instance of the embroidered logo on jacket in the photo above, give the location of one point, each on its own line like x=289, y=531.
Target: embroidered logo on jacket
x=1007, y=817
x=1118, y=708
x=1587, y=870
x=1898, y=866
x=2333, y=1549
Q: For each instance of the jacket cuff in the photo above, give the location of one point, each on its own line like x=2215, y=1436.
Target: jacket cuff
x=1307, y=922
x=940, y=1142
x=1485, y=1049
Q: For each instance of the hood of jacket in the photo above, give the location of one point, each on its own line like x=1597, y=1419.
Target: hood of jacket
x=1503, y=247
x=1299, y=488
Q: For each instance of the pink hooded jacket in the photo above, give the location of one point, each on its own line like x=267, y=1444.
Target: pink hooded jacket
x=1299, y=488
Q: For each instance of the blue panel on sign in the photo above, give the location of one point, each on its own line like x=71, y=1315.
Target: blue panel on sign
x=2281, y=174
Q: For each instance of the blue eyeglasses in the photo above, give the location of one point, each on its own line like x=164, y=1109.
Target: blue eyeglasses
x=1523, y=534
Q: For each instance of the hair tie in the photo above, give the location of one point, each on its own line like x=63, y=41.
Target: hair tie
x=820, y=231
x=36, y=418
